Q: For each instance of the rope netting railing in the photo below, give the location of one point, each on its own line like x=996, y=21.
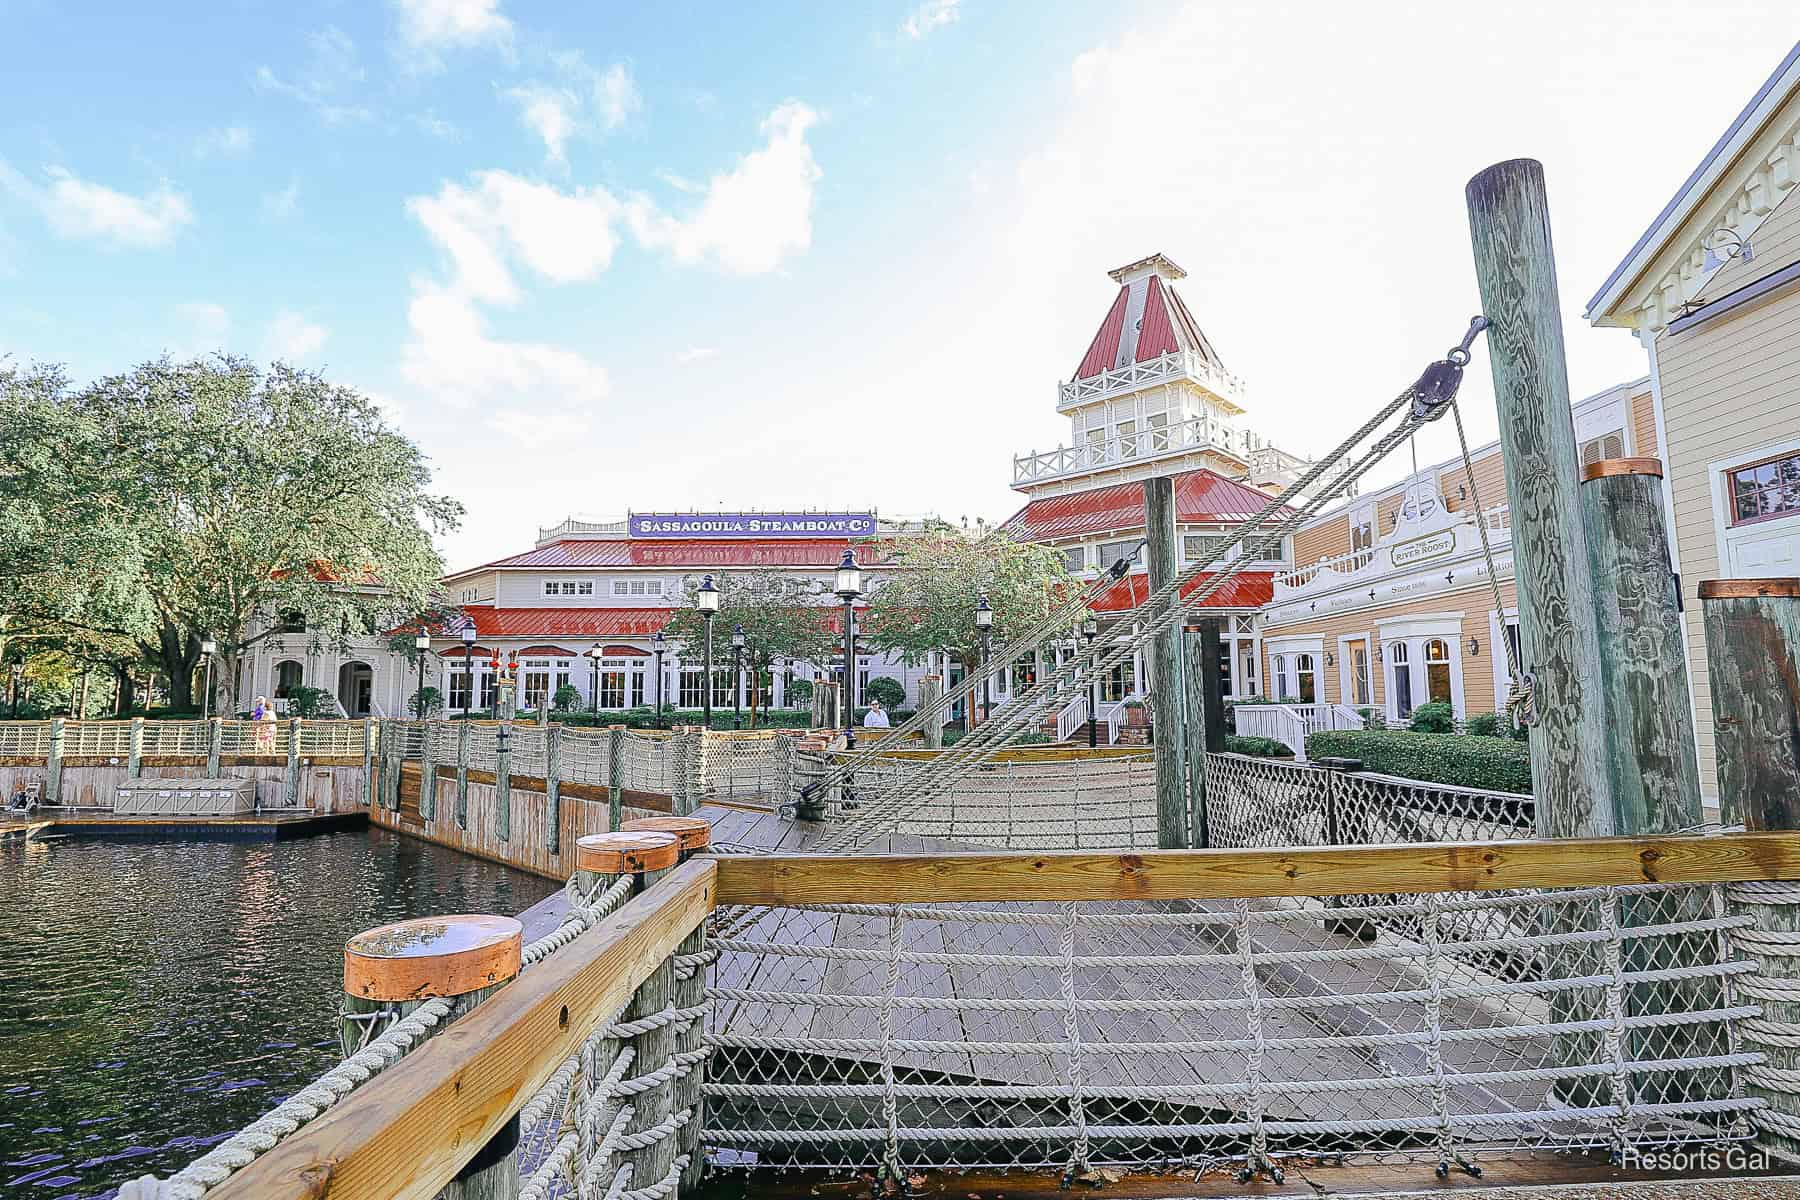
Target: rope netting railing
x=586, y=756
x=1228, y=1034
x=747, y=763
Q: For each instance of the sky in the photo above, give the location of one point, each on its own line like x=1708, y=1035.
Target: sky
x=606, y=257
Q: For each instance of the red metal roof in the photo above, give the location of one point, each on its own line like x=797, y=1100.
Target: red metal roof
x=568, y=622
x=1156, y=335
x=1200, y=496
x=681, y=553
x=1246, y=589
x=550, y=651
x=1105, y=347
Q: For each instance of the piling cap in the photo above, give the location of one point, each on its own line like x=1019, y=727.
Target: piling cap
x=627, y=853
x=1749, y=589
x=694, y=833
x=432, y=956
x=1607, y=467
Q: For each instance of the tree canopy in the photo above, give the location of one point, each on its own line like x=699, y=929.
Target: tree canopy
x=782, y=620
x=185, y=499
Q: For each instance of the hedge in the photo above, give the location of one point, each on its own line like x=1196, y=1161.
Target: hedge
x=1258, y=747
x=1493, y=764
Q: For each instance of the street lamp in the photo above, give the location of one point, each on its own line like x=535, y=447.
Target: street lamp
x=849, y=587
x=984, y=624
x=706, y=599
x=1090, y=629
x=207, y=647
x=737, y=677
x=422, y=644
x=659, y=645
x=594, y=652
x=468, y=640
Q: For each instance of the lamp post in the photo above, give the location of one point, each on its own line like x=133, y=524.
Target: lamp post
x=659, y=645
x=207, y=647
x=1090, y=629
x=468, y=640
x=706, y=599
x=984, y=624
x=18, y=676
x=594, y=653
x=849, y=587
x=421, y=643
x=737, y=677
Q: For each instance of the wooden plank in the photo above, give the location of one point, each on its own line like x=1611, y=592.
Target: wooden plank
x=1230, y=874
x=407, y=1133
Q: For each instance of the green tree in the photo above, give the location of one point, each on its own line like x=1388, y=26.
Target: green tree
x=926, y=602
x=228, y=494
x=782, y=620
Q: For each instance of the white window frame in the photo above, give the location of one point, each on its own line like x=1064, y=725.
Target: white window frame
x=1346, y=693
x=1415, y=630
x=1497, y=647
x=1726, y=535
x=1285, y=678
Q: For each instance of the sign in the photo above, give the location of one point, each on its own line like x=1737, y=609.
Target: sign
x=1423, y=549
x=751, y=525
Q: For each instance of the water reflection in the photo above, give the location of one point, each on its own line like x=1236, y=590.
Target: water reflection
x=158, y=995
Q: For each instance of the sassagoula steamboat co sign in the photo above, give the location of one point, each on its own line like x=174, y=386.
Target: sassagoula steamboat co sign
x=751, y=525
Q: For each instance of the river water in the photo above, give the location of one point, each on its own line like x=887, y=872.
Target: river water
x=156, y=996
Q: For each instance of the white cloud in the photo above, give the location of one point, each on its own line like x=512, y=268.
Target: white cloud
x=932, y=14
x=563, y=236
x=678, y=182
x=291, y=336
x=581, y=101
x=453, y=359
x=77, y=209
x=279, y=206
x=616, y=96
x=329, y=80
x=535, y=428
x=202, y=328
x=694, y=354
x=436, y=126
x=551, y=113
x=229, y=141
x=755, y=214
x=427, y=26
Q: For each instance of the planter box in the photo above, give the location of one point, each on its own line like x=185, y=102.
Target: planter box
x=1134, y=735
x=185, y=797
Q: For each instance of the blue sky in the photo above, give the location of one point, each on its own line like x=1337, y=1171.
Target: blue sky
x=600, y=257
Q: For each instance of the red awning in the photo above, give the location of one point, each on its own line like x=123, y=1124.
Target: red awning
x=1246, y=589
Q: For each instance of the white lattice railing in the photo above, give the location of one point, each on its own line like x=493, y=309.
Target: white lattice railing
x=1290, y=724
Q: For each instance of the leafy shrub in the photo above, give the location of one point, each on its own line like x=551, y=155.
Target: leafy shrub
x=1261, y=747
x=646, y=718
x=800, y=692
x=885, y=688
x=1373, y=718
x=1435, y=717
x=1483, y=725
x=567, y=698
x=425, y=702
x=1494, y=764
x=307, y=701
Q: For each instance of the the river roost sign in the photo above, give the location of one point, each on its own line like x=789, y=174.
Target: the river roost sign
x=752, y=525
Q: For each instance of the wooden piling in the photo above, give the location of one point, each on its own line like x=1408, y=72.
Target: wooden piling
x=1655, y=778
x=134, y=762
x=1509, y=224
x=615, y=776
x=931, y=691
x=553, y=786
x=1195, y=731
x=1168, y=692
x=53, y=764
x=291, y=786
x=368, y=741
x=1753, y=658
x=391, y=970
x=215, y=739
x=427, y=778
x=503, y=781
x=462, y=775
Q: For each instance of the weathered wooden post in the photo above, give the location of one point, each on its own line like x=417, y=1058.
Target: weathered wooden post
x=1753, y=660
x=687, y=995
x=1212, y=684
x=1197, y=731
x=1650, y=755
x=688, y=754
x=825, y=713
x=1509, y=223
x=215, y=744
x=1168, y=687
x=553, y=786
x=291, y=791
x=615, y=776
x=462, y=775
x=601, y=858
x=503, y=781
x=392, y=970
x=369, y=737
x=427, y=777
x=931, y=691
x=134, y=760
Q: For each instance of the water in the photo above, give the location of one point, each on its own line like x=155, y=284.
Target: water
x=156, y=996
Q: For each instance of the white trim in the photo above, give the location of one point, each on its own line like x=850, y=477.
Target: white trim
x=1724, y=533
x=1297, y=643
x=1497, y=651
x=1346, y=694
x=1420, y=625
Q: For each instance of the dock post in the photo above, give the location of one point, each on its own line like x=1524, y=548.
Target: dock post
x=427, y=778
x=615, y=776
x=503, y=781
x=687, y=996
x=462, y=774
x=293, y=764
x=53, y=764
x=1753, y=659
x=1168, y=688
x=1509, y=225
x=368, y=742
x=134, y=762
x=931, y=690
x=687, y=752
x=553, y=786
x=1199, y=729
x=215, y=744
x=394, y=969
x=600, y=860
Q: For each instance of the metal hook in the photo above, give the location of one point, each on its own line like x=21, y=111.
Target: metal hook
x=1459, y=353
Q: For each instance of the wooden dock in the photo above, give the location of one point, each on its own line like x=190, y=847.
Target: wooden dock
x=256, y=827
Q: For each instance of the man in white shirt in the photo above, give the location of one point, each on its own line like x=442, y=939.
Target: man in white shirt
x=876, y=717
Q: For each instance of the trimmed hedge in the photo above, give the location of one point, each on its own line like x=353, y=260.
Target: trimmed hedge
x=1493, y=764
x=1259, y=747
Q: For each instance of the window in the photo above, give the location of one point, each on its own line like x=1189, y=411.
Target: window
x=1112, y=552
x=288, y=676
x=1199, y=547
x=1359, y=673
x=488, y=694
x=1075, y=559
x=1514, y=641
x=1128, y=439
x=1119, y=682
x=459, y=691
x=1156, y=432
x=1437, y=670
x=537, y=682
x=1278, y=666
x=1402, y=676
x=1607, y=445
x=637, y=587
x=1305, y=679
x=1024, y=675
x=293, y=621
x=467, y=594
x=1770, y=489
x=692, y=692
x=563, y=666
x=610, y=692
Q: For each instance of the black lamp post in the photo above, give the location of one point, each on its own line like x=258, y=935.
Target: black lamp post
x=659, y=645
x=422, y=644
x=706, y=599
x=1090, y=629
x=984, y=624
x=18, y=675
x=737, y=677
x=849, y=587
x=207, y=648
x=468, y=639
x=594, y=653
